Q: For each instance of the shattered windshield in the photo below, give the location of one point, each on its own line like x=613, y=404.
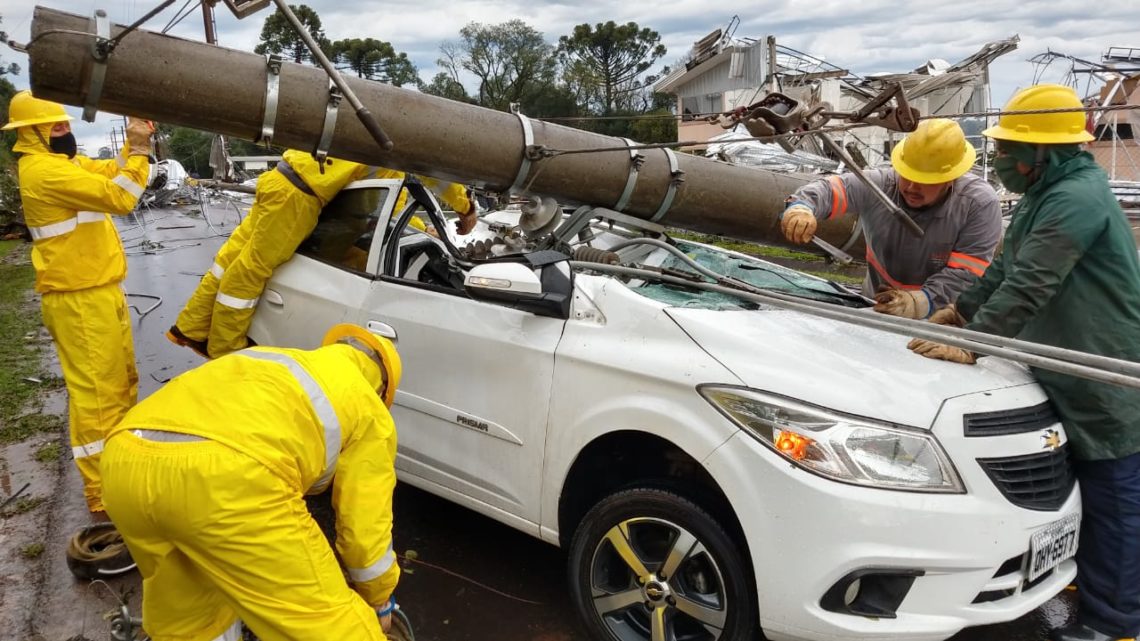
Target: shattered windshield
x=754, y=272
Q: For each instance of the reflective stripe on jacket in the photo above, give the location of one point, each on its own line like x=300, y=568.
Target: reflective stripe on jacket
x=961, y=233
x=75, y=244
x=310, y=417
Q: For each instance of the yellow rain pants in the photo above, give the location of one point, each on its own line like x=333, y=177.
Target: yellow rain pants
x=217, y=522
x=221, y=308
x=92, y=333
x=218, y=537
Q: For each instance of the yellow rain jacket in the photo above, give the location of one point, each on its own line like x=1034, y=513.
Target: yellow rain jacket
x=310, y=418
x=66, y=201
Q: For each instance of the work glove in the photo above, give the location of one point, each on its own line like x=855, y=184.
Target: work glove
x=903, y=302
x=798, y=224
x=139, y=133
x=938, y=351
x=948, y=315
x=467, y=221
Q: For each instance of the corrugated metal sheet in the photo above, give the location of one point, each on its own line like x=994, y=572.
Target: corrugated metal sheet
x=716, y=80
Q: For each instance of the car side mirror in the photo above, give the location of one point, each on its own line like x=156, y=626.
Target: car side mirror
x=518, y=286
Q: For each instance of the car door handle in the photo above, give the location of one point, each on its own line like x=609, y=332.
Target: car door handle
x=383, y=329
x=274, y=298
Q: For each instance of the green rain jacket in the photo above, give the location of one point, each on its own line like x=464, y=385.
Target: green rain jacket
x=1068, y=276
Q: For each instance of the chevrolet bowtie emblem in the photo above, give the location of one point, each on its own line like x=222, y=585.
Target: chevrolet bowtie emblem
x=1051, y=439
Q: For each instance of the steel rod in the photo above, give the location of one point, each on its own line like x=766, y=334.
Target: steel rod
x=1048, y=351
x=917, y=329
x=895, y=210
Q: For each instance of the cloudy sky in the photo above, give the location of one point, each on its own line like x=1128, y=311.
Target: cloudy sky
x=865, y=36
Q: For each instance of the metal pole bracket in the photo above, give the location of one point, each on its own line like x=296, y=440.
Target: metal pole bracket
x=322, y=150
x=528, y=150
x=100, y=50
x=272, y=92
x=636, y=160
x=678, y=177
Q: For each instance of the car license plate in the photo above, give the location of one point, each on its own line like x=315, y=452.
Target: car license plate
x=1052, y=544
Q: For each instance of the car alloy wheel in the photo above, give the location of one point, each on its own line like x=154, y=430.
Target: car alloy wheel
x=648, y=565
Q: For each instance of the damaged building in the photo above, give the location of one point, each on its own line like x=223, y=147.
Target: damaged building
x=726, y=72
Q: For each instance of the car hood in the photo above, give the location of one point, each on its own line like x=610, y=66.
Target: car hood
x=839, y=365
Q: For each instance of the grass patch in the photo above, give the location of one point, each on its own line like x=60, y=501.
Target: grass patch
x=29, y=425
x=48, y=453
x=19, y=356
x=23, y=504
x=32, y=551
x=842, y=279
x=752, y=249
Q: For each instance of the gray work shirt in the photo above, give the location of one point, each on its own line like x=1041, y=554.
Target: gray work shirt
x=962, y=232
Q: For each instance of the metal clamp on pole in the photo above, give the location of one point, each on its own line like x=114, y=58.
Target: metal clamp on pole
x=678, y=177
x=99, y=54
x=528, y=144
x=322, y=150
x=635, y=162
x=272, y=91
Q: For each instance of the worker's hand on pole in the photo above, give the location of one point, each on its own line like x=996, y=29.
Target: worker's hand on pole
x=466, y=222
x=139, y=133
x=903, y=302
x=938, y=351
x=948, y=316
x=798, y=224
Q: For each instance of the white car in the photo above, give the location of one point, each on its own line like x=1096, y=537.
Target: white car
x=712, y=467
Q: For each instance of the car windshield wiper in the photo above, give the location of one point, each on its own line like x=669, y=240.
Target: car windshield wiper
x=840, y=290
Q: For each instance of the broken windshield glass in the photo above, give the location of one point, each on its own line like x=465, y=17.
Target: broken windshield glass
x=755, y=272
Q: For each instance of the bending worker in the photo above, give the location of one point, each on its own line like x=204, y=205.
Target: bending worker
x=1069, y=277
x=959, y=213
x=80, y=267
x=285, y=209
x=208, y=490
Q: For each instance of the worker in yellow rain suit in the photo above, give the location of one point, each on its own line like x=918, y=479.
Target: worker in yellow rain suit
x=80, y=266
x=208, y=489
x=289, y=199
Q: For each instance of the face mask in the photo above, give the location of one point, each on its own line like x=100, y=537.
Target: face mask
x=1006, y=168
x=64, y=144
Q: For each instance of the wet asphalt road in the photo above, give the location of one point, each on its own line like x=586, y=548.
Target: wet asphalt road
x=466, y=576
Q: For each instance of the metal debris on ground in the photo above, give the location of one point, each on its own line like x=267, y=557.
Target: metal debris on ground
x=142, y=313
x=14, y=496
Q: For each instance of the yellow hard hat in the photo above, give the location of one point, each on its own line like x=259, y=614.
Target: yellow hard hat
x=935, y=153
x=25, y=109
x=1064, y=128
x=385, y=352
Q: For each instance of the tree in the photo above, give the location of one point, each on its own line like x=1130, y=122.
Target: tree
x=278, y=36
x=445, y=86
x=375, y=60
x=512, y=62
x=611, y=56
x=189, y=147
x=11, y=207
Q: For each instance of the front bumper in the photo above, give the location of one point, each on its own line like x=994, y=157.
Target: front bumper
x=805, y=533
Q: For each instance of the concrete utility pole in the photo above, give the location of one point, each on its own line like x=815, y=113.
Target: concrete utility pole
x=197, y=85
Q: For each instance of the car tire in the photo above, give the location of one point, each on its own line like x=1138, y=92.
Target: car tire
x=708, y=596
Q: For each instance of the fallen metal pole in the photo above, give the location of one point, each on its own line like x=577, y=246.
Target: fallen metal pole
x=905, y=327
x=188, y=83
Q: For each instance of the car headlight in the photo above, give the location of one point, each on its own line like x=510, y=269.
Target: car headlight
x=844, y=448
